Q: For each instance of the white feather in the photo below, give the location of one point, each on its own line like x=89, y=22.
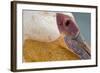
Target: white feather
x=40, y=26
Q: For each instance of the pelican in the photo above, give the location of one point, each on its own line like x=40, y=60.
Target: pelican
x=47, y=27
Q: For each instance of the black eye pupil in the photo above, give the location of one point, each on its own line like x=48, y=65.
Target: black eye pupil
x=67, y=22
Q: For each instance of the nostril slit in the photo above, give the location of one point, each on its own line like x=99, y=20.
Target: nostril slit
x=67, y=23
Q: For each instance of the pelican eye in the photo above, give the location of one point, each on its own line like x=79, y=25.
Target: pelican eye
x=67, y=23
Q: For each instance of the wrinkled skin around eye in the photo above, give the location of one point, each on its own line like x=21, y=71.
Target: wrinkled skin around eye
x=66, y=25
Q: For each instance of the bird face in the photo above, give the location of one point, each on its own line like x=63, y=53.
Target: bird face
x=67, y=24
x=46, y=26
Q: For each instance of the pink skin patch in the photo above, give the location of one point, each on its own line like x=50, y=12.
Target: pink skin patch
x=66, y=24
